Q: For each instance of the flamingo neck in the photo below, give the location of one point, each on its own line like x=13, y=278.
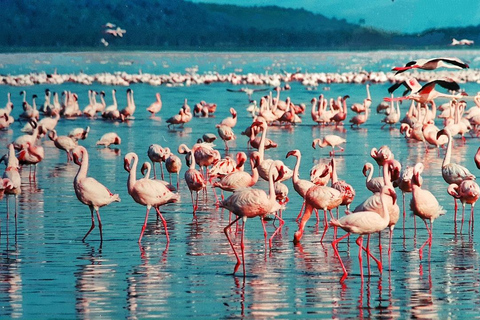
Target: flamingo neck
x=271, y=195
x=334, y=176
x=114, y=99
x=387, y=179
x=370, y=174
x=448, y=154
x=254, y=171
x=132, y=176
x=82, y=171
x=314, y=109
x=295, y=176
x=261, y=147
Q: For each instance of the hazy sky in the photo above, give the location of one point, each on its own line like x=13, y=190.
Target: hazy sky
x=398, y=15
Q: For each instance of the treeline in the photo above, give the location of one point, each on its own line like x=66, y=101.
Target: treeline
x=183, y=25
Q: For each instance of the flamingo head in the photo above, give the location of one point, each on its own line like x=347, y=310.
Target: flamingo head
x=117, y=140
x=241, y=158
x=441, y=132
x=366, y=167
x=127, y=161
x=77, y=155
x=453, y=190
x=144, y=168
x=294, y=153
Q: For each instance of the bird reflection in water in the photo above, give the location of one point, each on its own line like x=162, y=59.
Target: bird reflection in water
x=11, y=284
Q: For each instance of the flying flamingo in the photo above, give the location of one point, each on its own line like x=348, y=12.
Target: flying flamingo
x=147, y=192
x=156, y=106
x=249, y=203
x=432, y=64
x=468, y=192
x=424, y=204
x=89, y=191
x=331, y=140
x=363, y=223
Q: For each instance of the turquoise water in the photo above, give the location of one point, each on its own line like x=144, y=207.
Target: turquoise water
x=46, y=271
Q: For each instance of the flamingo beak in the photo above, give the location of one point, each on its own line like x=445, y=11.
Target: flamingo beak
x=76, y=159
x=290, y=153
x=439, y=133
x=143, y=169
x=364, y=171
x=281, y=173
x=313, y=145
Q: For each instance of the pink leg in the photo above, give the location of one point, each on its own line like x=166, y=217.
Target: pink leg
x=225, y=230
x=144, y=224
x=463, y=216
x=301, y=210
x=242, y=245
x=91, y=227
x=390, y=245
x=99, y=225
x=380, y=245
x=276, y=230
x=161, y=170
x=359, y=243
x=471, y=218
x=429, y=240
x=325, y=228
x=335, y=249
x=154, y=171
x=164, y=224
x=301, y=227
x=264, y=229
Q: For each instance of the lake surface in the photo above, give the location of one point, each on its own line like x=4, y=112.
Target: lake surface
x=46, y=270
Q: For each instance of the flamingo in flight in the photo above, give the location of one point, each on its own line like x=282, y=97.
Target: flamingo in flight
x=89, y=191
x=432, y=64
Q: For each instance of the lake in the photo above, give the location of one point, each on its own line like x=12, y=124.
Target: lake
x=46, y=270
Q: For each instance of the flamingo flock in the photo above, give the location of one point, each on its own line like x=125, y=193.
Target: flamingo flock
x=206, y=169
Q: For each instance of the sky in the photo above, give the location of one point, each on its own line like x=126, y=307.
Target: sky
x=406, y=16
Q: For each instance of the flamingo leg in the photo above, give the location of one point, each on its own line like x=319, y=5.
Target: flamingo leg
x=335, y=249
x=463, y=216
x=99, y=224
x=429, y=240
x=242, y=245
x=301, y=227
x=380, y=245
x=471, y=217
x=325, y=225
x=264, y=229
x=225, y=230
x=159, y=214
x=161, y=170
x=360, y=245
x=93, y=223
x=276, y=230
x=390, y=245
x=154, y=171
x=144, y=225
x=301, y=210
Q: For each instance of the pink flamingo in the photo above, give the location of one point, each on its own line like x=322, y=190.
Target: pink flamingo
x=173, y=164
x=360, y=118
x=373, y=184
x=226, y=133
x=318, y=197
x=249, y=203
x=108, y=139
x=230, y=121
x=156, y=106
x=477, y=158
x=63, y=143
x=432, y=64
x=468, y=192
x=452, y=172
x=31, y=155
x=240, y=179
x=156, y=154
x=346, y=190
x=381, y=155
x=342, y=114
x=11, y=173
x=424, y=204
x=147, y=192
x=331, y=140
x=301, y=186
x=89, y=191
x=363, y=223
x=194, y=179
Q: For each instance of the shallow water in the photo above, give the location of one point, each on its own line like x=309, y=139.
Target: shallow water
x=46, y=270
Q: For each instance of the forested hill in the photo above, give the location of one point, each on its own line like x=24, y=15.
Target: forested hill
x=183, y=25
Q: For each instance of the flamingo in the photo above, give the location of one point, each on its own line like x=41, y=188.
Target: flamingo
x=226, y=133
x=128, y=111
x=173, y=164
x=194, y=179
x=372, y=184
x=477, y=158
x=331, y=140
x=381, y=155
x=156, y=154
x=240, y=179
x=145, y=170
x=147, y=192
x=156, y=106
x=424, y=204
x=63, y=143
x=249, y=203
x=79, y=133
x=427, y=93
x=31, y=155
x=363, y=223
x=89, y=191
x=11, y=173
x=468, y=192
x=360, y=119
x=432, y=64
x=108, y=139
x=265, y=164
x=301, y=186
x=230, y=121
x=346, y=190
